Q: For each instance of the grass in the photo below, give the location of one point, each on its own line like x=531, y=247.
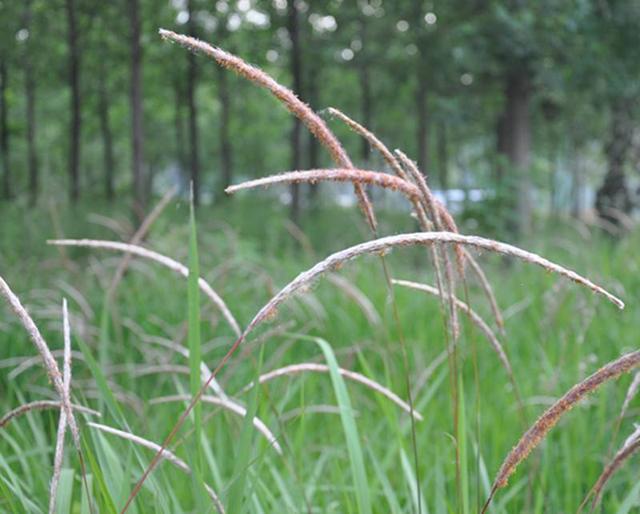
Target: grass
x=141, y=332
x=556, y=335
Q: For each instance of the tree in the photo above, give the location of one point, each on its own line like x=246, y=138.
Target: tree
x=4, y=130
x=615, y=26
x=192, y=72
x=135, y=92
x=76, y=116
x=30, y=100
x=296, y=130
x=224, y=99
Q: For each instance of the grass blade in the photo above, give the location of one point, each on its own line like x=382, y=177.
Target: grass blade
x=194, y=340
x=354, y=447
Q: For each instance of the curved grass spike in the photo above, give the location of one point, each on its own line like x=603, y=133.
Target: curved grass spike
x=160, y=259
x=229, y=405
x=313, y=367
x=165, y=454
x=539, y=430
x=377, y=246
x=41, y=405
x=62, y=421
x=634, y=387
x=353, y=175
x=371, y=138
x=475, y=318
x=446, y=218
x=429, y=203
x=50, y=363
x=631, y=446
x=288, y=98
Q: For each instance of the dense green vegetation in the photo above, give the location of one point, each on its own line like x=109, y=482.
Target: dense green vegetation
x=521, y=117
x=535, y=100
x=556, y=335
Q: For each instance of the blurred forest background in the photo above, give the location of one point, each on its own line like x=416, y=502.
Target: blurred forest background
x=526, y=107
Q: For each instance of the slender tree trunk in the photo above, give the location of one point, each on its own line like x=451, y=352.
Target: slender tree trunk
x=137, y=134
x=226, y=150
x=423, y=126
x=178, y=120
x=4, y=131
x=577, y=179
x=313, y=146
x=30, y=90
x=76, y=119
x=422, y=95
x=443, y=155
x=365, y=88
x=30, y=98
x=296, y=131
x=613, y=199
x=107, y=136
x=192, y=71
x=515, y=141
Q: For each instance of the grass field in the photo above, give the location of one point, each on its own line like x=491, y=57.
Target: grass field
x=334, y=459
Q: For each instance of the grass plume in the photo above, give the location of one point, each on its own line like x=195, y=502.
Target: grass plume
x=173, y=265
x=539, y=430
x=313, y=367
x=288, y=98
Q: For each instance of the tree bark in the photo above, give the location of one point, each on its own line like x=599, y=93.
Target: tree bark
x=4, y=132
x=226, y=149
x=365, y=89
x=613, y=199
x=137, y=134
x=422, y=142
x=443, y=156
x=76, y=117
x=30, y=100
x=178, y=121
x=313, y=147
x=192, y=71
x=107, y=135
x=296, y=72
x=514, y=141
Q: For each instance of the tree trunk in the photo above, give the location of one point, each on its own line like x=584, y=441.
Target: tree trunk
x=226, y=150
x=613, y=199
x=107, y=136
x=514, y=140
x=443, y=156
x=4, y=131
x=365, y=89
x=30, y=100
x=423, y=126
x=296, y=72
x=137, y=134
x=577, y=179
x=194, y=162
x=178, y=120
x=76, y=120
x=313, y=146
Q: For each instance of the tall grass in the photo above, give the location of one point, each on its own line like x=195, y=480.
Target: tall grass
x=259, y=458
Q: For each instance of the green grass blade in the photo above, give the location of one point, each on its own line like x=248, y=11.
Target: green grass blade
x=409, y=473
x=354, y=447
x=237, y=491
x=65, y=491
x=461, y=441
x=84, y=503
x=195, y=353
x=101, y=381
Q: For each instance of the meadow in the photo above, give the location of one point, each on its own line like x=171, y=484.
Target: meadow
x=326, y=442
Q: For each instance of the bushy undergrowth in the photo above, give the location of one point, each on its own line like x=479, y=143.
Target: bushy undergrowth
x=555, y=336
x=261, y=419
